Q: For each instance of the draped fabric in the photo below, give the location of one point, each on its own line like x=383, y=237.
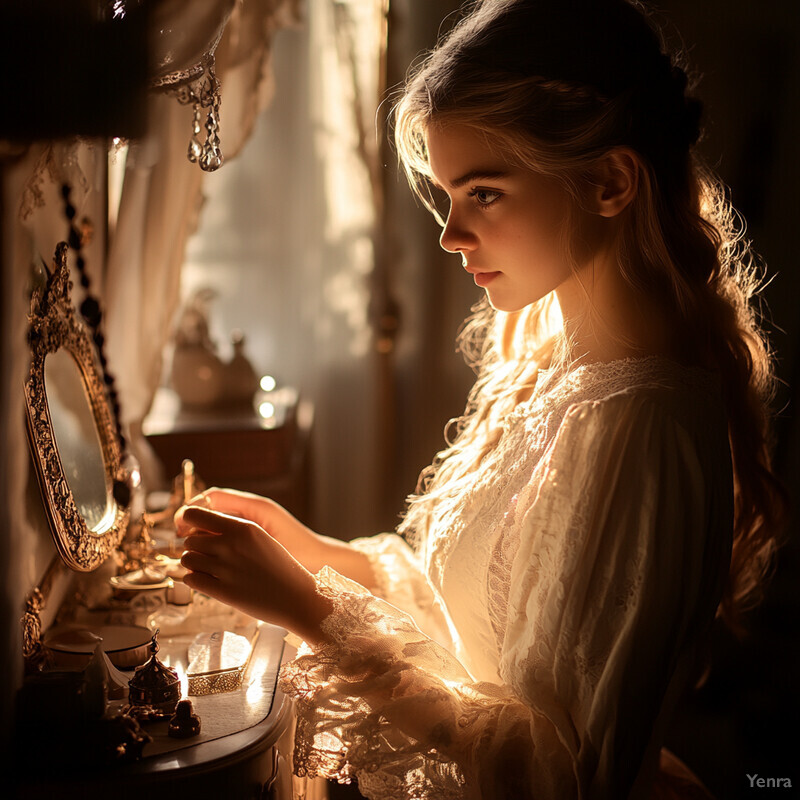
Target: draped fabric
x=160, y=203
x=287, y=246
x=536, y=643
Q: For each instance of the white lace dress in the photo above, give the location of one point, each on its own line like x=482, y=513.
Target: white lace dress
x=536, y=644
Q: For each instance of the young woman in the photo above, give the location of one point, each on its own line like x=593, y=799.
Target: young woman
x=608, y=490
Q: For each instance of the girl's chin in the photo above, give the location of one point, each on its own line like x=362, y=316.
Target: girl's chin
x=507, y=304
x=509, y=300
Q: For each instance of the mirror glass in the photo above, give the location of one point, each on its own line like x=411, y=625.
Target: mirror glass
x=77, y=439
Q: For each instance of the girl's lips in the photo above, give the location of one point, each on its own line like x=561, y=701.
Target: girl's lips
x=485, y=278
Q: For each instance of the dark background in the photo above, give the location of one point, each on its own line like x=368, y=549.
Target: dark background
x=743, y=721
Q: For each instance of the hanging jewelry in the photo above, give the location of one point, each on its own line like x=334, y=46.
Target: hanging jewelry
x=90, y=310
x=211, y=158
x=195, y=148
x=200, y=87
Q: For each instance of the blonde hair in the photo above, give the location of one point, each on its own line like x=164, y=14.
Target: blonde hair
x=556, y=103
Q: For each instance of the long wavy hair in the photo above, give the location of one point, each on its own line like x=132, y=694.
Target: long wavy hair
x=553, y=86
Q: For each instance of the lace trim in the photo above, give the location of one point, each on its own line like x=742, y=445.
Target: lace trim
x=606, y=378
x=58, y=163
x=338, y=734
x=376, y=677
x=372, y=548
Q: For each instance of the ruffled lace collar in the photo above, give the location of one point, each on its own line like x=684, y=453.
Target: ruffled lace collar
x=645, y=366
x=617, y=376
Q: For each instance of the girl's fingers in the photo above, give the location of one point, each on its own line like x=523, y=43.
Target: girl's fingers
x=203, y=500
x=199, y=562
x=208, y=543
x=202, y=582
x=230, y=501
x=188, y=518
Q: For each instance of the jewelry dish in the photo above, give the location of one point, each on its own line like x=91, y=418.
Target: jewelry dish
x=139, y=580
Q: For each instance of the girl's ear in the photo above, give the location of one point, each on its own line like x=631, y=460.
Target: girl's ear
x=616, y=182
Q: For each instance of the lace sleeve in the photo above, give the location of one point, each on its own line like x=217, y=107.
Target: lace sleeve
x=607, y=590
x=401, y=582
x=383, y=702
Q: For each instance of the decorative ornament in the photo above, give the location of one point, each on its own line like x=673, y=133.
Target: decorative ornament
x=32, y=649
x=53, y=325
x=183, y=49
x=155, y=685
x=200, y=87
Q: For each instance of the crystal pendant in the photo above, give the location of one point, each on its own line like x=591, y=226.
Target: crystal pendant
x=211, y=160
x=196, y=119
x=195, y=150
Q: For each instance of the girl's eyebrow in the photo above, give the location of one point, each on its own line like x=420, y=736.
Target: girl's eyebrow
x=475, y=175
x=478, y=175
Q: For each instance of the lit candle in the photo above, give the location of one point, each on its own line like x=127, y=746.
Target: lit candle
x=184, y=723
x=183, y=679
x=188, y=479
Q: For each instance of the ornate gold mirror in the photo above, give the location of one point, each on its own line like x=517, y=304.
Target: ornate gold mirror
x=72, y=432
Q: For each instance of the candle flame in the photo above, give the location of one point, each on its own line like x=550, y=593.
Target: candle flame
x=183, y=678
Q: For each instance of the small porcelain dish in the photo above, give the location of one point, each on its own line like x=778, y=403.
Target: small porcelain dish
x=141, y=580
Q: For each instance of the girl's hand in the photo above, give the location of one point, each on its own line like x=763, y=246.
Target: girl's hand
x=311, y=549
x=305, y=545
x=238, y=562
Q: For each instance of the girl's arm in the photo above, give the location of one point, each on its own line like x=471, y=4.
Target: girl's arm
x=312, y=550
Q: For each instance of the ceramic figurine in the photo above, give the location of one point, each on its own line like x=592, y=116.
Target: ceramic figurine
x=184, y=724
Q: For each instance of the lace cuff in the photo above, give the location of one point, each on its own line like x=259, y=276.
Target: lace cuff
x=376, y=671
x=378, y=551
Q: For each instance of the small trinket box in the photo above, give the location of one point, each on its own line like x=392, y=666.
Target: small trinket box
x=155, y=684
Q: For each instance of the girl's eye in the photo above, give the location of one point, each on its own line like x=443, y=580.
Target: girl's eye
x=484, y=197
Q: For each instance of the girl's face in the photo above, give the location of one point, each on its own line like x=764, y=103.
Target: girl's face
x=504, y=220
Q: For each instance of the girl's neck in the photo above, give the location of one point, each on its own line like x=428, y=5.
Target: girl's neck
x=605, y=319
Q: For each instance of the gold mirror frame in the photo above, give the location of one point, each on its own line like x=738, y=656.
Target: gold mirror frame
x=53, y=325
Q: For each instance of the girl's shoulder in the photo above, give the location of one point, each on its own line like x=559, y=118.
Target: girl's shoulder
x=654, y=376
x=655, y=385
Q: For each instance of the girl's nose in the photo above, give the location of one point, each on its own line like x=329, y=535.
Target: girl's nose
x=456, y=237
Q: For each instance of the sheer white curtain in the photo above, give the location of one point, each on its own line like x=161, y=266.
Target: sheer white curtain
x=286, y=241
x=161, y=196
